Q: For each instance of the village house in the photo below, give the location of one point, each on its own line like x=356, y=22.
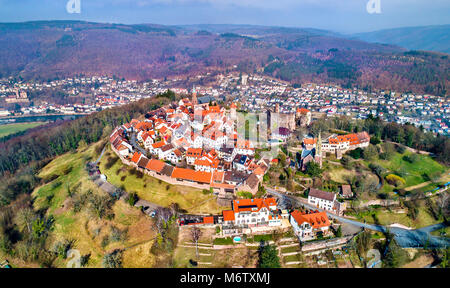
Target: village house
x=308, y=226
x=253, y=213
x=321, y=199
x=326, y=201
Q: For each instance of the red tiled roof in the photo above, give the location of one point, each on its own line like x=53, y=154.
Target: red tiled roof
x=316, y=220
x=155, y=165
x=194, y=152
x=136, y=157
x=158, y=144
x=244, y=204
x=309, y=141
x=192, y=175
x=228, y=215
x=208, y=220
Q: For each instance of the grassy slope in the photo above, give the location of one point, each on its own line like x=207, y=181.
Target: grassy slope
x=8, y=129
x=81, y=226
x=413, y=172
x=191, y=199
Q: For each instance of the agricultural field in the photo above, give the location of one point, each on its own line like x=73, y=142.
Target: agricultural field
x=154, y=190
x=8, y=129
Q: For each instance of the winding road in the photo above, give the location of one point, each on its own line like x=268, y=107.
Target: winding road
x=417, y=238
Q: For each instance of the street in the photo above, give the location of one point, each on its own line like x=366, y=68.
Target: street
x=417, y=238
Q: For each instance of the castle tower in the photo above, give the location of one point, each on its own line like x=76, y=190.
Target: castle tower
x=194, y=96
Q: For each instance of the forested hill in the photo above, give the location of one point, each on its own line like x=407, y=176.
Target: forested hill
x=55, y=49
x=427, y=38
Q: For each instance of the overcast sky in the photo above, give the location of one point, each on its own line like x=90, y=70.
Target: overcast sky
x=346, y=16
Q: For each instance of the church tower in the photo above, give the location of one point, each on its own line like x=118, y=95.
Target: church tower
x=194, y=96
x=318, y=157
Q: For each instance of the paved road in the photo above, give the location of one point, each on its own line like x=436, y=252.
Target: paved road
x=135, y=145
x=405, y=238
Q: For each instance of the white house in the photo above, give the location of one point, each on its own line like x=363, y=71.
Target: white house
x=254, y=212
x=321, y=199
x=307, y=226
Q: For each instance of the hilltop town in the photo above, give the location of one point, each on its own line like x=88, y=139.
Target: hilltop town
x=84, y=95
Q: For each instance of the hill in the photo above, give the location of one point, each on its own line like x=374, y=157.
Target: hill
x=55, y=49
x=427, y=38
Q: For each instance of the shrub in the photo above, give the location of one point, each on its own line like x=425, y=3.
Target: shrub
x=113, y=259
x=395, y=180
x=269, y=257
x=245, y=194
x=118, y=235
x=132, y=198
x=110, y=161
x=61, y=248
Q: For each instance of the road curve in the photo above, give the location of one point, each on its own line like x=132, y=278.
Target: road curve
x=419, y=238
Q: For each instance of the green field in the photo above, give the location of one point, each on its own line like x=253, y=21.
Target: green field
x=413, y=173
x=9, y=129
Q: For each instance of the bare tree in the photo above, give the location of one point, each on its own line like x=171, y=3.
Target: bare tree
x=442, y=202
x=196, y=233
x=162, y=218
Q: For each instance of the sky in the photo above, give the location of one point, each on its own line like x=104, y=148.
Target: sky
x=344, y=16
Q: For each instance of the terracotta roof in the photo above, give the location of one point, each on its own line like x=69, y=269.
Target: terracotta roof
x=309, y=141
x=228, y=215
x=208, y=220
x=158, y=144
x=302, y=110
x=136, y=157
x=194, y=152
x=155, y=165
x=316, y=220
x=218, y=176
x=192, y=175
x=253, y=205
